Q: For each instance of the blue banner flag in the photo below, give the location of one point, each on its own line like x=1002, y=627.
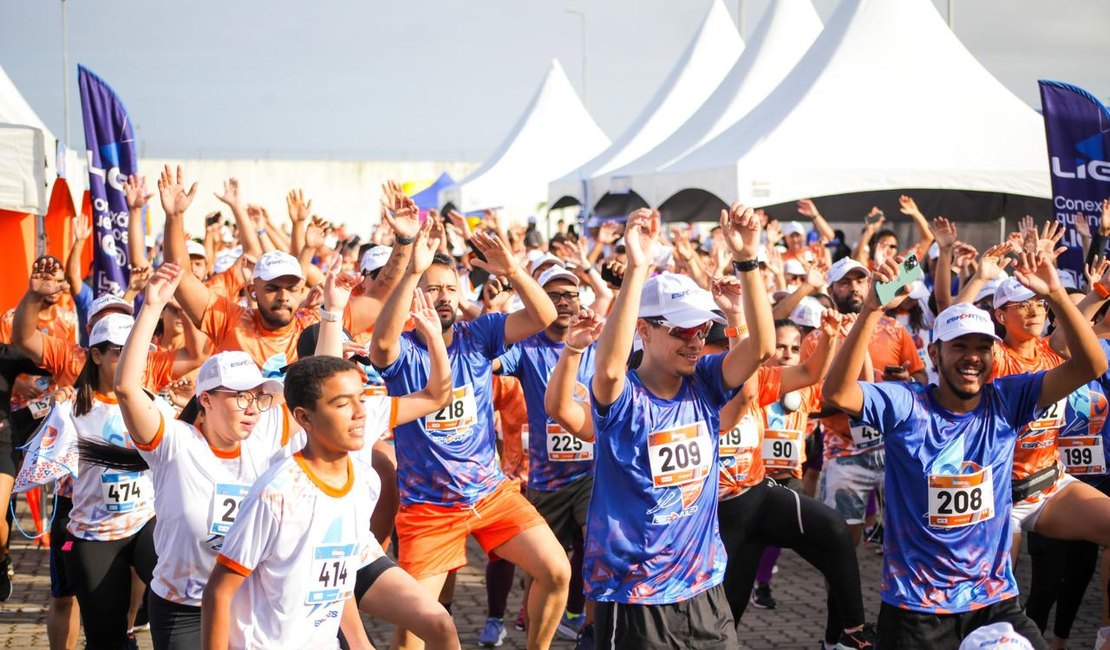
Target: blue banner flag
x=1077, y=127
x=110, y=148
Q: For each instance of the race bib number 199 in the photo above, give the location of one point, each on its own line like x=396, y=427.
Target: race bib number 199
x=1083, y=454
x=681, y=455
x=957, y=500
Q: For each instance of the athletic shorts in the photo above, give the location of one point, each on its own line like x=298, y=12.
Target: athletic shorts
x=369, y=574
x=848, y=481
x=704, y=621
x=431, y=539
x=565, y=509
x=10, y=457
x=904, y=628
x=1024, y=514
x=60, y=545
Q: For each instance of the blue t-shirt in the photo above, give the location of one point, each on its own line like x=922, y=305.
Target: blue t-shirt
x=946, y=545
x=555, y=457
x=449, y=458
x=1084, y=440
x=652, y=535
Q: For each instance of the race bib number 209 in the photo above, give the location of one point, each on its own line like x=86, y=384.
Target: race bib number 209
x=680, y=455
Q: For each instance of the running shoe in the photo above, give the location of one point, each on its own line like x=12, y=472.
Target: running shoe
x=1102, y=638
x=6, y=579
x=493, y=635
x=142, y=621
x=585, y=639
x=761, y=596
x=132, y=642
x=874, y=534
x=570, y=625
x=866, y=637
x=521, y=618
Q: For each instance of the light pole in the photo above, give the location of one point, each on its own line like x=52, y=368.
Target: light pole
x=65, y=74
x=582, y=22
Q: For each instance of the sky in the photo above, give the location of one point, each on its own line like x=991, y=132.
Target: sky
x=430, y=79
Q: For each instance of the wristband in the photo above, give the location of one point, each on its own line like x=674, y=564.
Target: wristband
x=1102, y=290
x=746, y=265
x=588, y=269
x=330, y=316
x=262, y=232
x=736, y=332
x=404, y=241
x=573, y=349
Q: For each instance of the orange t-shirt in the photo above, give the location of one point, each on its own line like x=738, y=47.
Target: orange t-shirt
x=741, y=456
x=58, y=320
x=229, y=282
x=65, y=360
x=232, y=327
x=891, y=345
x=1036, y=443
x=807, y=255
x=791, y=426
x=512, y=411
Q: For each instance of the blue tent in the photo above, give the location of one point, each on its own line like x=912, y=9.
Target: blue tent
x=428, y=199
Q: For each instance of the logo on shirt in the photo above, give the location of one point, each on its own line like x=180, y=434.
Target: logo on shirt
x=677, y=503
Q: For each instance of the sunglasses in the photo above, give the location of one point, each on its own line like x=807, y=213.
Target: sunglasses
x=683, y=333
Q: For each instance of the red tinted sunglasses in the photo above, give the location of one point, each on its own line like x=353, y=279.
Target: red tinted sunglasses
x=684, y=333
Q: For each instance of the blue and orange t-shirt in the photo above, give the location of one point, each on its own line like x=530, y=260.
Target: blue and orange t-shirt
x=652, y=535
x=1084, y=440
x=1036, y=445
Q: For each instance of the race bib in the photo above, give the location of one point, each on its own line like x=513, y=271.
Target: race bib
x=743, y=436
x=121, y=491
x=39, y=407
x=1051, y=417
x=225, y=506
x=333, y=573
x=957, y=500
x=783, y=449
x=865, y=437
x=460, y=413
x=1082, y=454
x=679, y=456
x=564, y=447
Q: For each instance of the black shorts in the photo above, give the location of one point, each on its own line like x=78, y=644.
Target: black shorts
x=60, y=543
x=704, y=621
x=10, y=457
x=565, y=509
x=369, y=574
x=903, y=628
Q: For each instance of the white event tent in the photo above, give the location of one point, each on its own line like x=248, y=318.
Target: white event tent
x=26, y=149
x=704, y=63
x=886, y=98
x=554, y=135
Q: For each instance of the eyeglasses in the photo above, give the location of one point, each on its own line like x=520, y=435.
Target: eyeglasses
x=683, y=333
x=1029, y=306
x=556, y=296
x=244, y=399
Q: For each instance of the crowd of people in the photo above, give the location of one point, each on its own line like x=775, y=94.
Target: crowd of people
x=281, y=428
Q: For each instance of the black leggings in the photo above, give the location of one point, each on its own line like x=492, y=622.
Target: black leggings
x=1061, y=572
x=172, y=626
x=100, y=576
x=769, y=514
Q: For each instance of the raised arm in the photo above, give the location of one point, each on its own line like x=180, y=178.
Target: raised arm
x=195, y=351
x=741, y=227
x=992, y=262
x=385, y=345
x=558, y=400
x=403, y=217
x=945, y=233
x=248, y=232
x=140, y=414
x=437, y=392
x=813, y=369
x=134, y=188
x=192, y=295
x=82, y=230
x=43, y=283
x=809, y=210
x=538, y=310
x=1098, y=282
x=815, y=280
x=909, y=208
x=861, y=252
x=641, y=240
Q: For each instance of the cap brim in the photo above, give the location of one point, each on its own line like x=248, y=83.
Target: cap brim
x=274, y=386
x=959, y=334
x=566, y=276
x=690, y=317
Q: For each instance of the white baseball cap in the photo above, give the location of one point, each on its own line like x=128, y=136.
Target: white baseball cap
x=843, y=266
x=374, y=258
x=1010, y=290
x=540, y=260
x=991, y=286
x=277, y=264
x=808, y=313
x=195, y=249
x=109, y=301
x=793, y=267
x=557, y=273
x=113, y=328
x=793, y=228
x=996, y=636
x=226, y=258
x=934, y=251
x=234, y=370
x=962, y=319
x=678, y=301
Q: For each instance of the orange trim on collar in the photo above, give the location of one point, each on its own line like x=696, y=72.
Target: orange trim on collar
x=319, y=482
x=226, y=455
x=104, y=397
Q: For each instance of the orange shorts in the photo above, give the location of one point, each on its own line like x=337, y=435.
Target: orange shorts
x=432, y=539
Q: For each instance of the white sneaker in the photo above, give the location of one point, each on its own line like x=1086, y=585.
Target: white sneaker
x=1102, y=638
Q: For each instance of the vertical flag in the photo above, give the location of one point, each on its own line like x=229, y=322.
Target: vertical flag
x=110, y=147
x=1077, y=127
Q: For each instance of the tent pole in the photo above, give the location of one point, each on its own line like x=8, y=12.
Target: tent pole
x=65, y=74
x=951, y=15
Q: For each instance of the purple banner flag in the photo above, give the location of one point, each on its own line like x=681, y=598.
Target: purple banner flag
x=110, y=148
x=1077, y=127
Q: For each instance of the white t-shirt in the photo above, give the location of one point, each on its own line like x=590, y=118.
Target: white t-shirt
x=299, y=543
x=109, y=504
x=199, y=493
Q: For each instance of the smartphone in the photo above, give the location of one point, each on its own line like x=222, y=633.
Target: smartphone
x=608, y=275
x=873, y=218
x=909, y=271
x=890, y=370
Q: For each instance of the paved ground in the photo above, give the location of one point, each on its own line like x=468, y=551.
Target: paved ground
x=797, y=622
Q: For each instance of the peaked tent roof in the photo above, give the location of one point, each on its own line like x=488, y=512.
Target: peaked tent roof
x=886, y=98
x=14, y=109
x=428, y=198
x=781, y=38
x=25, y=154
x=554, y=135
x=704, y=63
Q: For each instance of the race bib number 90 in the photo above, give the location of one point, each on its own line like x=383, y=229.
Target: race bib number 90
x=460, y=413
x=783, y=449
x=1083, y=454
x=333, y=573
x=681, y=455
x=961, y=499
x=122, y=491
x=563, y=447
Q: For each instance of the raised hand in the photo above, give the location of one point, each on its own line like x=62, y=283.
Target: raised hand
x=44, y=280
x=1095, y=270
x=616, y=268
x=1037, y=272
x=299, y=209
x=944, y=231
x=499, y=259
x=138, y=279
x=816, y=274
x=160, y=288
x=908, y=207
x=608, y=232
x=461, y=223
x=400, y=212
x=964, y=256
x=994, y=261
x=831, y=323
x=728, y=295
x=1082, y=226
x=258, y=215
x=338, y=288
x=171, y=188
x=82, y=228
x=313, y=299
x=314, y=235
x=181, y=391
x=424, y=316
x=641, y=238
x=774, y=232
x=807, y=209
x=231, y=193
x=741, y=228
x=1048, y=238
x=134, y=188
x=1104, y=218
x=886, y=272
x=425, y=247
x=584, y=329
x=880, y=218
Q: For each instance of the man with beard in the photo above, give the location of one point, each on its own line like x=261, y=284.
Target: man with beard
x=853, y=456
x=451, y=483
x=947, y=568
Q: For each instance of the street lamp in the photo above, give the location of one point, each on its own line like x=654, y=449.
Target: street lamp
x=582, y=22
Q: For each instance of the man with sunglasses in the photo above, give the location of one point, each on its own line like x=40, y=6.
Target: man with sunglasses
x=654, y=556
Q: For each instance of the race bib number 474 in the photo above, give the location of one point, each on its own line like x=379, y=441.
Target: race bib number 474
x=681, y=455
